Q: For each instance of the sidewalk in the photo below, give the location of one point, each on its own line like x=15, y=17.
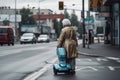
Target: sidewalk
x=100, y=49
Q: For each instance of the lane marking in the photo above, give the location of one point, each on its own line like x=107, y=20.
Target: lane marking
x=117, y=59
x=90, y=60
x=111, y=68
x=37, y=74
x=113, y=58
x=86, y=67
x=101, y=59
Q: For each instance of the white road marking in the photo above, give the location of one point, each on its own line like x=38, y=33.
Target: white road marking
x=113, y=58
x=86, y=67
x=101, y=59
x=35, y=75
x=117, y=59
x=97, y=68
x=90, y=60
x=111, y=68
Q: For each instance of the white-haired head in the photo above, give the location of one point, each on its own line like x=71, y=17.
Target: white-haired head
x=66, y=22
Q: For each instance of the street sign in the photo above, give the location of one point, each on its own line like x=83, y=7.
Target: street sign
x=10, y=17
x=18, y=18
x=4, y=17
x=89, y=20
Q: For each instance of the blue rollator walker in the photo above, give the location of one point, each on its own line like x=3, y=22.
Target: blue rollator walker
x=63, y=66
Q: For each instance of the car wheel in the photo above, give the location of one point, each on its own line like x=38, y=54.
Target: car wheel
x=12, y=44
x=1, y=44
x=8, y=44
x=21, y=43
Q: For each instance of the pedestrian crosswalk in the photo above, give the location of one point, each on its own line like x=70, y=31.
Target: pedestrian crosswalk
x=98, y=64
x=97, y=68
x=100, y=59
x=92, y=60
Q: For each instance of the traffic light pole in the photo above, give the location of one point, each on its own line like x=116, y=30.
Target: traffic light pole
x=83, y=36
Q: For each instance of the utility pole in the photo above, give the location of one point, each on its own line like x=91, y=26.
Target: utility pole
x=87, y=28
x=88, y=15
x=39, y=17
x=83, y=24
x=16, y=34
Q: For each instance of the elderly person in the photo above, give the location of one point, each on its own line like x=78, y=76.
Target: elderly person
x=68, y=40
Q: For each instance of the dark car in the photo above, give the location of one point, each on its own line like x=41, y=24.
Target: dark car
x=6, y=35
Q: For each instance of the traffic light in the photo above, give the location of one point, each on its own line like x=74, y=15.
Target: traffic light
x=61, y=5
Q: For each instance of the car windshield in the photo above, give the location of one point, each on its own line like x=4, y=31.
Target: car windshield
x=3, y=30
x=43, y=36
x=27, y=35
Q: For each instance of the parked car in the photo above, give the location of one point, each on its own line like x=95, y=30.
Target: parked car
x=43, y=38
x=6, y=35
x=28, y=38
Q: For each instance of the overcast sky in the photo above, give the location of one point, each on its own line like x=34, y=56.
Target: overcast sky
x=45, y=4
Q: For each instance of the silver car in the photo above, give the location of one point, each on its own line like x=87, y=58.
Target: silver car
x=43, y=38
x=28, y=38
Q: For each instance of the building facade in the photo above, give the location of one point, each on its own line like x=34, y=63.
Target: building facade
x=114, y=20
x=110, y=9
x=8, y=12
x=43, y=17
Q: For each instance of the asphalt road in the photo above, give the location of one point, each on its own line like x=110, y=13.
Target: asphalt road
x=88, y=68
x=18, y=61
x=34, y=62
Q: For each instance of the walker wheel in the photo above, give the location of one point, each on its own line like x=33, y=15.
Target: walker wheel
x=55, y=71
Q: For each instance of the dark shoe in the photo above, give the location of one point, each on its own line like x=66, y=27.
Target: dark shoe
x=72, y=72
